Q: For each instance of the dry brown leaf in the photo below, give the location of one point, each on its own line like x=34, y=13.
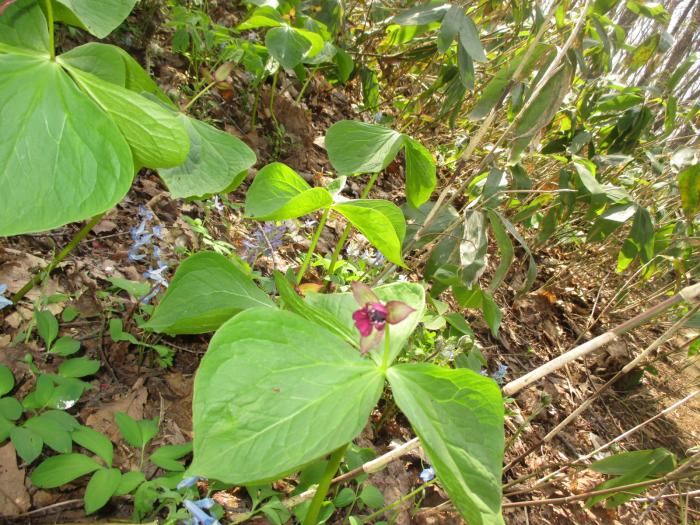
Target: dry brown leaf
x=133, y=404
x=14, y=498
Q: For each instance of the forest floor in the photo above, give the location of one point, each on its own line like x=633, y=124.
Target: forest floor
x=572, y=301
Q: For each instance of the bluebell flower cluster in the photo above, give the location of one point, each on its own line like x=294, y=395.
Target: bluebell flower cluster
x=217, y=204
x=198, y=510
x=4, y=301
x=499, y=375
x=265, y=239
x=144, y=248
x=428, y=474
x=188, y=482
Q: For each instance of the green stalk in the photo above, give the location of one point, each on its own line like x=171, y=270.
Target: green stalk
x=272, y=96
x=196, y=97
x=49, y=19
x=312, y=246
x=348, y=228
x=387, y=349
x=311, y=517
x=57, y=259
x=306, y=84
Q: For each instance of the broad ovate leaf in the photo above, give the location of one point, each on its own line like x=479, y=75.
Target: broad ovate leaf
x=216, y=162
x=101, y=487
x=23, y=27
x=279, y=193
x=689, y=186
x=113, y=64
x=61, y=158
x=458, y=416
x=421, y=176
x=156, y=136
x=274, y=392
x=355, y=147
x=99, y=18
x=206, y=291
x=382, y=222
x=341, y=306
x=287, y=45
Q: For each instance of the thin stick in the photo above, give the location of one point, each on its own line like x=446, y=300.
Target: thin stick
x=57, y=259
x=588, y=402
x=689, y=294
x=540, y=482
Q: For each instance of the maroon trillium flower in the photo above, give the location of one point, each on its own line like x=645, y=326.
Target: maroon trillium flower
x=371, y=319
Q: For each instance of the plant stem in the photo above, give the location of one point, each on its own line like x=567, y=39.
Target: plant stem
x=387, y=348
x=58, y=258
x=312, y=246
x=49, y=20
x=272, y=96
x=254, y=116
x=348, y=228
x=306, y=84
x=196, y=97
x=396, y=503
x=311, y=517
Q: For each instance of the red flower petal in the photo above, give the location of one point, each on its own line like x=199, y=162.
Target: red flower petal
x=362, y=321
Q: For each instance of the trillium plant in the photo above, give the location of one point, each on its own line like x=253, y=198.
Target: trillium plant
x=289, y=381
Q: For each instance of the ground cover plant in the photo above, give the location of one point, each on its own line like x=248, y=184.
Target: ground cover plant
x=349, y=262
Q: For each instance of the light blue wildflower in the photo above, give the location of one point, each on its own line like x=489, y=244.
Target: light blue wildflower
x=4, y=301
x=188, y=482
x=427, y=474
x=499, y=375
x=217, y=205
x=197, y=511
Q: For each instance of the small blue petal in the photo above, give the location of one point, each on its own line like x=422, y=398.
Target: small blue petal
x=205, y=503
x=188, y=482
x=427, y=474
x=3, y=288
x=4, y=302
x=198, y=514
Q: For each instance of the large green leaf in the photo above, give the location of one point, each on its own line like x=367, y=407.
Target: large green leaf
x=494, y=90
x=99, y=18
x=59, y=470
x=112, y=64
x=458, y=416
x=156, y=136
x=23, y=26
x=279, y=193
x=355, y=147
x=287, y=46
x=420, y=173
x=215, y=162
x=643, y=52
x=206, y=291
x=342, y=305
x=274, y=392
x=382, y=222
x=541, y=110
x=61, y=158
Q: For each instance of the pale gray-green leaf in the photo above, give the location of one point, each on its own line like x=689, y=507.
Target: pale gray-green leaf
x=100, y=18
x=355, y=147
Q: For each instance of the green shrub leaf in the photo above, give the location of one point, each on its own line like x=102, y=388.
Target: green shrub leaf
x=206, y=291
x=458, y=416
x=91, y=167
x=382, y=222
x=279, y=193
x=216, y=162
x=59, y=470
x=274, y=392
x=101, y=487
x=95, y=442
x=355, y=147
x=99, y=18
